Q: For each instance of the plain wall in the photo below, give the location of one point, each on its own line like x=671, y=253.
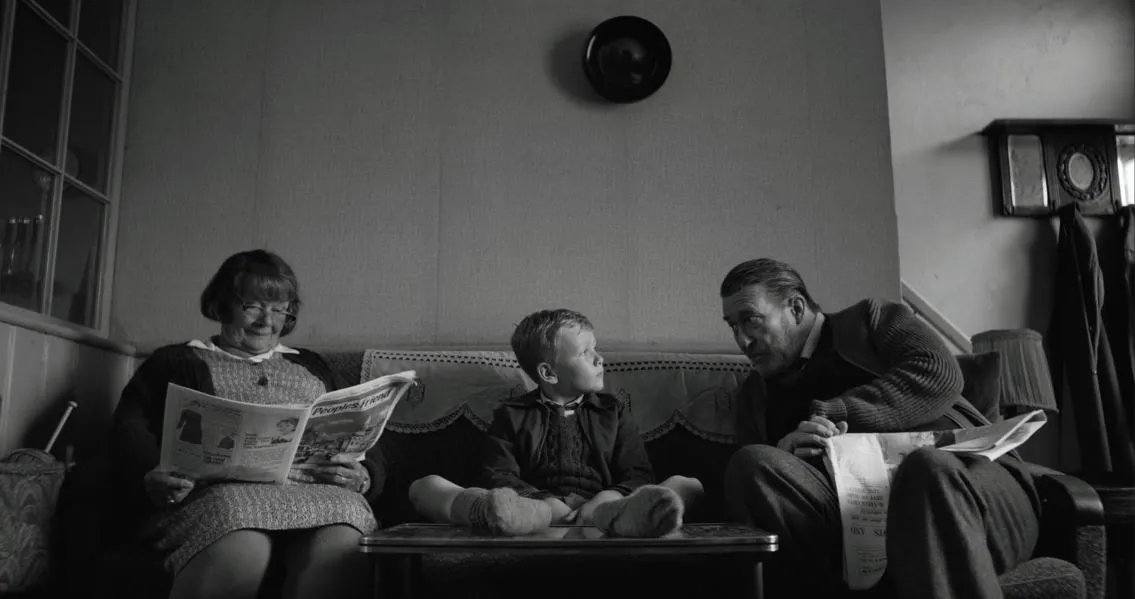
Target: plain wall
x=40, y=373
x=952, y=67
x=435, y=170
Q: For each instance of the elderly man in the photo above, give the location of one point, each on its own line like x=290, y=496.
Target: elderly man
x=955, y=522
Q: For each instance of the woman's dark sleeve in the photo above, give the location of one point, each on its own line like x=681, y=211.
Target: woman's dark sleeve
x=375, y=464
x=315, y=363
x=136, y=426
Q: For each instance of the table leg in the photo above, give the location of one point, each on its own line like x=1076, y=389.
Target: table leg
x=376, y=577
x=385, y=575
x=411, y=575
x=758, y=580
x=749, y=578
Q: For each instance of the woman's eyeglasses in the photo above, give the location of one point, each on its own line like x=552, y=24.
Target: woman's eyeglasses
x=256, y=312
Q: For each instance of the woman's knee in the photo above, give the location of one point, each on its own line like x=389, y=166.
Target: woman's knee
x=241, y=549
x=337, y=536
x=326, y=562
x=325, y=545
x=233, y=566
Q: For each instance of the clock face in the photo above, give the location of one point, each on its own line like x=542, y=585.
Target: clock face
x=626, y=59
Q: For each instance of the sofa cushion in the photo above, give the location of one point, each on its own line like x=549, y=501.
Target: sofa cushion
x=1043, y=578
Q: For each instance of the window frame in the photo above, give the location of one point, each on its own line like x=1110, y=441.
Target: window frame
x=41, y=319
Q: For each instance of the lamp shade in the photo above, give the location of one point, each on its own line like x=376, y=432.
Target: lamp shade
x=1026, y=383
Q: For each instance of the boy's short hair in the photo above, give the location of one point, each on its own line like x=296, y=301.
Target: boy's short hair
x=534, y=340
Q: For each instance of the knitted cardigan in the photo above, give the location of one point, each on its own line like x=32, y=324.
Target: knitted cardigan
x=916, y=384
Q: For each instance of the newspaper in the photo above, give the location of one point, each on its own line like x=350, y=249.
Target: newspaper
x=212, y=438
x=864, y=464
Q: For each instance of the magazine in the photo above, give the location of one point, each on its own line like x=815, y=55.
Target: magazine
x=863, y=465
x=212, y=438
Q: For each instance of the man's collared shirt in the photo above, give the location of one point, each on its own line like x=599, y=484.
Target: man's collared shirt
x=813, y=339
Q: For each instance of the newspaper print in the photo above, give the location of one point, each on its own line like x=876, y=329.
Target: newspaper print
x=213, y=438
x=863, y=466
x=351, y=420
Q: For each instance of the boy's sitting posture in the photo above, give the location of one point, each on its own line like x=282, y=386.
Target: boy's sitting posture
x=563, y=453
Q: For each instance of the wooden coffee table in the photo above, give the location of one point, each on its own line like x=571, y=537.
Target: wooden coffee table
x=398, y=550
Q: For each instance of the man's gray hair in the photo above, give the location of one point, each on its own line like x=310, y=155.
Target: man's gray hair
x=778, y=278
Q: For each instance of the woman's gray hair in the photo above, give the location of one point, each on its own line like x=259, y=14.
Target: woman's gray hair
x=778, y=278
x=253, y=275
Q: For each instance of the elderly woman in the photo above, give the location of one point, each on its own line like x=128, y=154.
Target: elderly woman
x=218, y=539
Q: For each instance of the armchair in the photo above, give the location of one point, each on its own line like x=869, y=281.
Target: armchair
x=1069, y=560
x=1070, y=555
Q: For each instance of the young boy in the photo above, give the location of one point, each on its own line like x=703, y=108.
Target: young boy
x=563, y=453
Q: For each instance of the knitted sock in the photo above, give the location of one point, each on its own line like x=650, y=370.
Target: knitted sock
x=500, y=511
x=649, y=511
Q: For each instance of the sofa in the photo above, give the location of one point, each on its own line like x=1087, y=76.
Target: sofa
x=683, y=406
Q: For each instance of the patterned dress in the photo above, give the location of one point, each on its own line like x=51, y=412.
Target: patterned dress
x=213, y=510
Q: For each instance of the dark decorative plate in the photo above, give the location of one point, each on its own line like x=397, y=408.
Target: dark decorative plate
x=626, y=59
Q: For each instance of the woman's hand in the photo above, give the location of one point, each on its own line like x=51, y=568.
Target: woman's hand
x=341, y=471
x=808, y=438
x=164, y=488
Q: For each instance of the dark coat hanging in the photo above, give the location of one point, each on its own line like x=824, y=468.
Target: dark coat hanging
x=1080, y=352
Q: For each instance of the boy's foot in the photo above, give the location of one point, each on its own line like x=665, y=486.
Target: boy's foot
x=502, y=511
x=649, y=511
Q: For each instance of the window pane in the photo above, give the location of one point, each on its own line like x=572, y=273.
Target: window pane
x=25, y=206
x=35, y=84
x=60, y=9
x=100, y=23
x=92, y=112
x=77, y=259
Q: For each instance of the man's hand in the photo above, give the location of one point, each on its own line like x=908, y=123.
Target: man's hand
x=808, y=438
x=164, y=488
x=341, y=471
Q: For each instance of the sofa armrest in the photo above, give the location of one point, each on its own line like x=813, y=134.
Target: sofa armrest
x=1072, y=525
